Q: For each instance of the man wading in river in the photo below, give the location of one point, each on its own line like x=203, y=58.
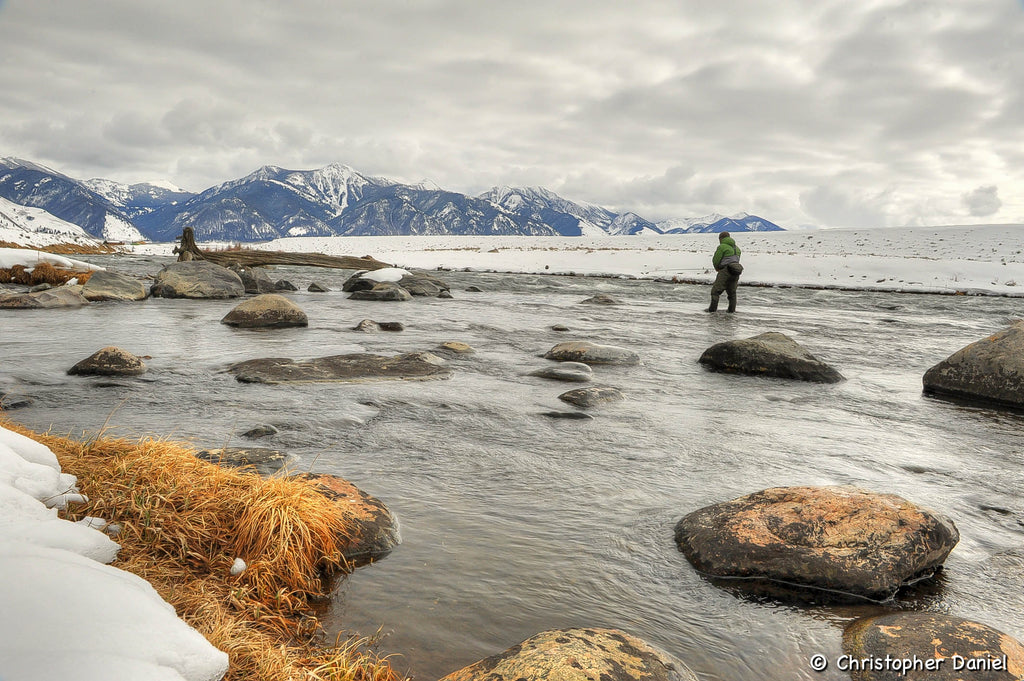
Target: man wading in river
x=727, y=263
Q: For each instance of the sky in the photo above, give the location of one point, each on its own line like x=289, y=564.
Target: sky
x=831, y=114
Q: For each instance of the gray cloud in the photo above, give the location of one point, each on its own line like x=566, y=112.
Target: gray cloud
x=983, y=201
x=832, y=113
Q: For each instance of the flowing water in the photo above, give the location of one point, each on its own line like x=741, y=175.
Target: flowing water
x=512, y=522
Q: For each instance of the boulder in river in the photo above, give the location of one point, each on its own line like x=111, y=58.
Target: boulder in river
x=581, y=654
x=370, y=326
x=261, y=460
x=196, y=279
x=254, y=279
x=62, y=296
x=840, y=539
x=415, y=283
x=108, y=285
x=109, y=361
x=374, y=529
x=352, y=368
x=316, y=287
x=285, y=285
x=592, y=353
x=269, y=310
x=991, y=370
x=573, y=372
x=592, y=396
x=455, y=348
x=768, y=354
x=384, y=291
x=600, y=299
x=953, y=648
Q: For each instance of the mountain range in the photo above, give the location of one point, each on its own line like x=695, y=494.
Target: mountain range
x=335, y=200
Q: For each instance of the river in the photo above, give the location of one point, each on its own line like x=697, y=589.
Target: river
x=512, y=522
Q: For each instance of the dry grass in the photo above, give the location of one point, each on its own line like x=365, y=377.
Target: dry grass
x=184, y=521
x=42, y=273
x=68, y=248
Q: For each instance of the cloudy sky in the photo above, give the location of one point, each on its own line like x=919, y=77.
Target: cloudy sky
x=807, y=112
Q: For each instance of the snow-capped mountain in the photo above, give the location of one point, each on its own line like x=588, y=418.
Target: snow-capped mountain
x=30, y=184
x=274, y=202
x=27, y=226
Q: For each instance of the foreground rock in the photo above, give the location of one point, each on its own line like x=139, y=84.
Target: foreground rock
x=64, y=296
x=577, y=655
x=269, y=310
x=592, y=397
x=384, y=291
x=107, y=285
x=837, y=538
x=769, y=354
x=374, y=528
x=592, y=353
x=261, y=460
x=573, y=372
x=109, y=361
x=991, y=369
x=352, y=368
x=952, y=647
x=196, y=279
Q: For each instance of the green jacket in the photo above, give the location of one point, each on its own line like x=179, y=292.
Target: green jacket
x=726, y=247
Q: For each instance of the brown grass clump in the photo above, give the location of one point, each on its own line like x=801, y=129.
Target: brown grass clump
x=42, y=273
x=69, y=248
x=184, y=521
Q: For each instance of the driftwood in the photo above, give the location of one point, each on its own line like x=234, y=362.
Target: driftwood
x=188, y=250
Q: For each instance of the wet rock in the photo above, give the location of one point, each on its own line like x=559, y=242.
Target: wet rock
x=254, y=279
x=265, y=430
x=573, y=372
x=374, y=530
x=63, y=296
x=269, y=310
x=351, y=368
x=577, y=655
x=109, y=361
x=455, y=348
x=416, y=283
x=559, y=327
x=384, y=291
x=592, y=353
x=285, y=285
x=391, y=327
x=370, y=326
x=568, y=415
x=601, y=299
x=474, y=289
x=592, y=397
x=955, y=648
x=991, y=370
x=9, y=402
x=841, y=539
x=259, y=460
x=317, y=288
x=445, y=294
x=107, y=285
x=196, y=279
x=768, y=354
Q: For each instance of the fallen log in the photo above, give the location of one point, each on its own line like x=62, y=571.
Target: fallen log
x=188, y=250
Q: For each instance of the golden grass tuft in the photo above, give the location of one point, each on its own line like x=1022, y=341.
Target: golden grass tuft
x=69, y=248
x=184, y=521
x=42, y=273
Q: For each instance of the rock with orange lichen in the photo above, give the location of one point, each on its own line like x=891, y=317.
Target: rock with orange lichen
x=990, y=370
x=840, y=539
x=373, y=529
x=947, y=648
x=577, y=655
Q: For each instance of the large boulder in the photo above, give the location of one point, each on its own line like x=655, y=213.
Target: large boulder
x=386, y=291
x=64, y=296
x=109, y=361
x=373, y=529
x=841, y=539
x=933, y=647
x=577, y=655
x=254, y=279
x=196, y=279
x=591, y=353
x=991, y=369
x=107, y=285
x=768, y=354
x=352, y=368
x=269, y=310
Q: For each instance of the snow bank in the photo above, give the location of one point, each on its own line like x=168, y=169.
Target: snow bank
x=9, y=257
x=392, y=274
x=65, y=613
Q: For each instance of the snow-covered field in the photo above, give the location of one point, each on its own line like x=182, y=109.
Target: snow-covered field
x=979, y=258
x=35, y=227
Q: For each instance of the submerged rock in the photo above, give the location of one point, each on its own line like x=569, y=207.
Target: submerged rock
x=991, y=369
x=265, y=430
x=592, y=353
x=351, y=368
x=573, y=372
x=317, y=288
x=577, y=655
x=568, y=415
x=601, y=299
x=592, y=396
x=196, y=279
x=107, y=285
x=769, y=354
x=109, y=361
x=63, y=296
x=455, y=348
x=269, y=310
x=374, y=530
x=259, y=460
x=955, y=648
x=840, y=539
